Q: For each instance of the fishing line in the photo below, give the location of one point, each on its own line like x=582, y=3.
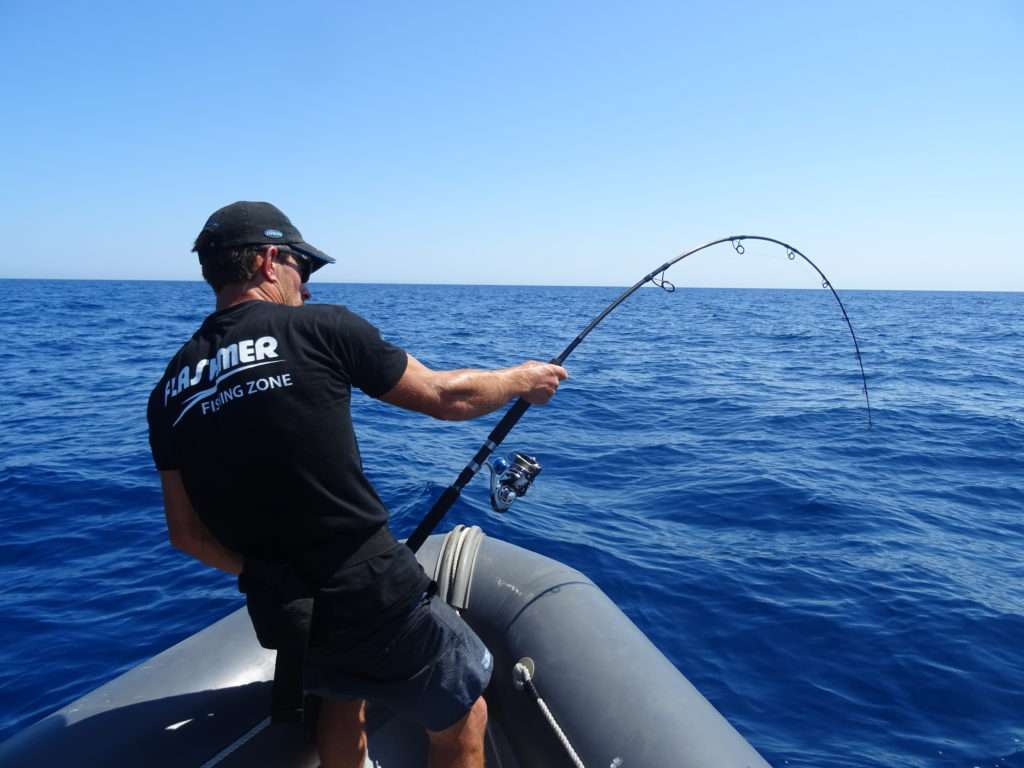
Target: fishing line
x=655, y=277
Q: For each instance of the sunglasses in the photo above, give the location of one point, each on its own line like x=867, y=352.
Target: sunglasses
x=302, y=262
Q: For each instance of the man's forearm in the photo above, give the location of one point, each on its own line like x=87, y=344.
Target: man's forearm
x=201, y=545
x=469, y=393
x=187, y=531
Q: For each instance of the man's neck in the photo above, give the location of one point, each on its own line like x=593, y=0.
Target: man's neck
x=232, y=295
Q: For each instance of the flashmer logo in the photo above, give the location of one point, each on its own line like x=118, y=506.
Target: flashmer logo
x=222, y=365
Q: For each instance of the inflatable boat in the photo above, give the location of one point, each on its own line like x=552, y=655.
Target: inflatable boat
x=575, y=683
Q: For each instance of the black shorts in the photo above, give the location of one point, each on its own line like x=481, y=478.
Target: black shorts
x=428, y=665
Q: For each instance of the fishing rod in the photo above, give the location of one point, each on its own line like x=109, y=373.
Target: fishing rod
x=509, y=480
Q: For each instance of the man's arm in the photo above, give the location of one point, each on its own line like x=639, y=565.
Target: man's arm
x=187, y=532
x=466, y=394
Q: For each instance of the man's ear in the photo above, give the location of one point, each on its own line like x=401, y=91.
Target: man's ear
x=268, y=266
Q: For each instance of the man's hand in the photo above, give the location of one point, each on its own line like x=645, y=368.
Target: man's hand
x=542, y=380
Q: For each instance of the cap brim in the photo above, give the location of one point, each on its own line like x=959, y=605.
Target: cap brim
x=318, y=257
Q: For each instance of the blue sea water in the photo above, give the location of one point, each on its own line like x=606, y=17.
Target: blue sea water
x=845, y=596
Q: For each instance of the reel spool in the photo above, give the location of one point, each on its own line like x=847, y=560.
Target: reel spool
x=511, y=478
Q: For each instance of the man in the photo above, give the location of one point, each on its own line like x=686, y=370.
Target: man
x=261, y=476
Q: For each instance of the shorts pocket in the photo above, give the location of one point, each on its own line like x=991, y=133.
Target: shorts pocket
x=395, y=652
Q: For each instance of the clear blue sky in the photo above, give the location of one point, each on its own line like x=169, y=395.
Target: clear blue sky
x=555, y=142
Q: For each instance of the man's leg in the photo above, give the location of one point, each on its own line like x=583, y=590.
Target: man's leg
x=341, y=733
x=462, y=745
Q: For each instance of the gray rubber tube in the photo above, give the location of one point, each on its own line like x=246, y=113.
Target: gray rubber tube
x=617, y=697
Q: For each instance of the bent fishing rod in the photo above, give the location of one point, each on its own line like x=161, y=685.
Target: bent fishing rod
x=509, y=481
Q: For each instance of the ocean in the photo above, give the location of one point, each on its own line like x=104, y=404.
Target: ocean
x=845, y=596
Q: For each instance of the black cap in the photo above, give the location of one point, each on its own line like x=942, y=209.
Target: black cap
x=247, y=223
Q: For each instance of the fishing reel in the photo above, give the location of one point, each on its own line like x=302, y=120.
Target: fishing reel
x=511, y=478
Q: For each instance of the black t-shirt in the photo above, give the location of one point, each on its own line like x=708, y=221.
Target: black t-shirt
x=254, y=413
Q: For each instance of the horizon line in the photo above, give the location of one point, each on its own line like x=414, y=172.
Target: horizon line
x=524, y=285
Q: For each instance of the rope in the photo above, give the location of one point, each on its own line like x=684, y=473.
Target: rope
x=237, y=744
x=525, y=678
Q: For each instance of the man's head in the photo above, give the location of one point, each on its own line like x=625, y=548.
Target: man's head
x=243, y=239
